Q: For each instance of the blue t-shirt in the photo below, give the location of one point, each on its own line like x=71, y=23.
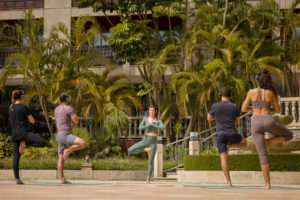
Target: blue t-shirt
x=225, y=113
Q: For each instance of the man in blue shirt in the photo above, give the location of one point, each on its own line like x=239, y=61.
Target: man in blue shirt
x=226, y=115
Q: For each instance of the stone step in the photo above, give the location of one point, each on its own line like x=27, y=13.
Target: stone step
x=171, y=175
x=165, y=179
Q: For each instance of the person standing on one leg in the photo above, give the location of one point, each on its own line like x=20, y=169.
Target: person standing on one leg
x=19, y=116
x=226, y=115
x=151, y=125
x=262, y=121
x=64, y=115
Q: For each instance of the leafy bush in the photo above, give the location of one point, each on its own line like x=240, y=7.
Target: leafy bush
x=105, y=145
x=249, y=162
x=42, y=163
x=113, y=163
x=6, y=149
x=174, y=152
x=211, y=151
x=34, y=152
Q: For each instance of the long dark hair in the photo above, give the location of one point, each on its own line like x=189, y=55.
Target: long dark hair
x=264, y=80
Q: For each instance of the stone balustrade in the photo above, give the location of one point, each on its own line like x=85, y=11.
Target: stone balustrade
x=291, y=106
x=133, y=131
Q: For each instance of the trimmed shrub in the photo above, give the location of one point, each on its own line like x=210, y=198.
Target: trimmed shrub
x=42, y=163
x=113, y=163
x=6, y=149
x=249, y=162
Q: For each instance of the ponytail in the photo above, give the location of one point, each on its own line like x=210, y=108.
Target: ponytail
x=265, y=81
x=15, y=96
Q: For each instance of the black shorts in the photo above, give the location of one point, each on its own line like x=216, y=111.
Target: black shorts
x=227, y=138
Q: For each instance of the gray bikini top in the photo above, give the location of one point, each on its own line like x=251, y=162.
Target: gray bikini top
x=261, y=103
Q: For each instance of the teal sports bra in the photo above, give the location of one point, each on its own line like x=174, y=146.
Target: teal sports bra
x=151, y=128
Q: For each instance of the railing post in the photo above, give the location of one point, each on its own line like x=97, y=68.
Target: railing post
x=158, y=160
x=194, y=144
x=294, y=110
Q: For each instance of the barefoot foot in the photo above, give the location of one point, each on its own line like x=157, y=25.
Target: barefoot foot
x=148, y=180
x=19, y=182
x=64, y=181
x=267, y=186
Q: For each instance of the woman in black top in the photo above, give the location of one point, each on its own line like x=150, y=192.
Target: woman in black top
x=18, y=117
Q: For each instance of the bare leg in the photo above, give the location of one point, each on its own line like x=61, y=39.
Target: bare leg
x=266, y=172
x=77, y=145
x=60, y=167
x=223, y=157
x=275, y=140
x=22, y=146
x=148, y=150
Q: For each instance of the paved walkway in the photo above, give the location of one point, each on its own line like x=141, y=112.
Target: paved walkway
x=92, y=190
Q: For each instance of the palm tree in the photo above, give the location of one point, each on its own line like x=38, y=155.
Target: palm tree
x=289, y=22
x=30, y=62
x=197, y=90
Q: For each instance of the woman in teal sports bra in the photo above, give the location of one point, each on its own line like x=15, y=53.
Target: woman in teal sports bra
x=150, y=125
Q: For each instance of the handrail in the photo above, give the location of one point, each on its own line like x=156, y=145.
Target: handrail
x=209, y=129
x=203, y=140
x=186, y=138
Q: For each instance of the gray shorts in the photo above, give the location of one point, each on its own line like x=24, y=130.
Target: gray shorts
x=64, y=139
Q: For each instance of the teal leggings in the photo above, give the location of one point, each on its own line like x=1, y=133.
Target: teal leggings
x=148, y=141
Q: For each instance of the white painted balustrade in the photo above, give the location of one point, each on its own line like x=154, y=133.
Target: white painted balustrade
x=291, y=106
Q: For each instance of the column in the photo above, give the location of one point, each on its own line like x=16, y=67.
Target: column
x=158, y=160
x=57, y=11
x=194, y=144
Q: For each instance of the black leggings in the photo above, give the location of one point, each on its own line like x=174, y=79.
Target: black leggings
x=30, y=140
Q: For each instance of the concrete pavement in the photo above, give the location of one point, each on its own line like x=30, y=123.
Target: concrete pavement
x=128, y=190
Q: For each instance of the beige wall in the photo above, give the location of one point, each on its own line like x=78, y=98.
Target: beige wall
x=56, y=11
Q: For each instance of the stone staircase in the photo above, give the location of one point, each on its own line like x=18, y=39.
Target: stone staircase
x=170, y=176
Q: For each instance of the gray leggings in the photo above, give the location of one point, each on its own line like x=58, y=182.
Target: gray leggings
x=148, y=141
x=265, y=123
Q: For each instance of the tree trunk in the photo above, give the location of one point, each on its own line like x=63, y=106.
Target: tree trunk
x=285, y=65
x=225, y=13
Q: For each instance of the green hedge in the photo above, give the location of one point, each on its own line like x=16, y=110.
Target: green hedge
x=113, y=163
x=249, y=162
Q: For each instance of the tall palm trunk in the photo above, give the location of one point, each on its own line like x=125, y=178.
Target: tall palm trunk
x=225, y=13
x=285, y=64
x=44, y=108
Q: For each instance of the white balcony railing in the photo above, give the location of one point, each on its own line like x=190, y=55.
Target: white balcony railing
x=291, y=106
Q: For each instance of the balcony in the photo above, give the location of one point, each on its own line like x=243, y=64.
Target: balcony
x=103, y=50
x=20, y=4
x=5, y=52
